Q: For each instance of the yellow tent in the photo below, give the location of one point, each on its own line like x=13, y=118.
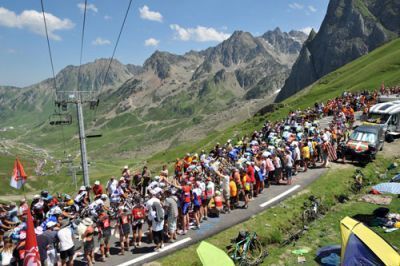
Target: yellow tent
x=362, y=246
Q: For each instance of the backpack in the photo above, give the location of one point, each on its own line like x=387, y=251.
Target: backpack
x=138, y=213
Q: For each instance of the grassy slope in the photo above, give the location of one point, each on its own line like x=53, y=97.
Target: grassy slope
x=383, y=64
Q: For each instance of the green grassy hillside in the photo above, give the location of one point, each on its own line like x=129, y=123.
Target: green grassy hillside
x=367, y=72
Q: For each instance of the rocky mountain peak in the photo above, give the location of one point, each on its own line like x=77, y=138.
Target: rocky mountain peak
x=351, y=28
x=288, y=43
x=160, y=62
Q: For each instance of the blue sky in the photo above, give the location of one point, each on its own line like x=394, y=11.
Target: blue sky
x=175, y=26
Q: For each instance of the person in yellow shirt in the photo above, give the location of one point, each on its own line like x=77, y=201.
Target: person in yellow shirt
x=233, y=191
x=305, y=154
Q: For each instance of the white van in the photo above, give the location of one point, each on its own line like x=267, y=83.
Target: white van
x=386, y=114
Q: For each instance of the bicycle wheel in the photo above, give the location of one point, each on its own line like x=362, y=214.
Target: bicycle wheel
x=233, y=253
x=254, y=253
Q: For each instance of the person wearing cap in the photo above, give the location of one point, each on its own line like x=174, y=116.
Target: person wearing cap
x=196, y=202
x=203, y=207
x=216, y=205
x=225, y=179
x=81, y=199
x=66, y=244
x=88, y=241
x=157, y=214
x=171, y=211
x=97, y=189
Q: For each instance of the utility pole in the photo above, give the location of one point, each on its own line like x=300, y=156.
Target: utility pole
x=82, y=141
x=78, y=98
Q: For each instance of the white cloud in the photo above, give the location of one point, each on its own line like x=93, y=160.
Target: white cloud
x=151, y=42
x=107, y=17
x=32, y=20
x=89, y=7
x=312, y=8
x=146, y=13
x=101, y=41
x=296, y=6
x=199, y=34
x=306, y=30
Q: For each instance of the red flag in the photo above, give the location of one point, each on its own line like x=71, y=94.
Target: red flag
x=32, y=256
x=18, y=178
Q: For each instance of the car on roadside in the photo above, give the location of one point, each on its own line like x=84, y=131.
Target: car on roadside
x=365, y=142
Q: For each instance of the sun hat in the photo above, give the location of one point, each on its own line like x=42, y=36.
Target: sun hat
x=97, y=182
x=22, y=235
x=87, y=221
x=36, y=197
x=39, y=230
x=82, y=188
x=50, y=224
x=126, y=167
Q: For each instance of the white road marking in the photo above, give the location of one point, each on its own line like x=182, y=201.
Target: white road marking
x=279, y=196
x=149, y=255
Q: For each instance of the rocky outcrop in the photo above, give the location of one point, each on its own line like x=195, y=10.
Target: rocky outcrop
x=351, y=28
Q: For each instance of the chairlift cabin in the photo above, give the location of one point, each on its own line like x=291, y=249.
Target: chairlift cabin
x=60, y=119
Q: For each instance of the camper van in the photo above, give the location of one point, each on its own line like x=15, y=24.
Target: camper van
x=387, y=115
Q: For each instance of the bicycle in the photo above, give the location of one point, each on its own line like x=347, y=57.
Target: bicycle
x=246, y=249
x=359, y=181
x=293, y=237
x=313, y=210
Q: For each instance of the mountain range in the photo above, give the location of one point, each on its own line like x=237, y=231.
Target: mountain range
x=169, y=99
x=350, y=29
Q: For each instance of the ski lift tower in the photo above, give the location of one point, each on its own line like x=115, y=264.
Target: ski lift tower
x=63, y=98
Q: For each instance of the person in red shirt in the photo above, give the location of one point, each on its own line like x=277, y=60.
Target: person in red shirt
x=250, y=176
x=104, y=228
x=97, y=189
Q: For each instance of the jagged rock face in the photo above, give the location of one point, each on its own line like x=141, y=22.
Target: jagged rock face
x=92, y=75
x=351, y=28
x=160, y=63
x=289, y=43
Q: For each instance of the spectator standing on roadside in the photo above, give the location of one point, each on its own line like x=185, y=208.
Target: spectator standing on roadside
x=146, y=176
x=171, y=206
x=65, y=238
